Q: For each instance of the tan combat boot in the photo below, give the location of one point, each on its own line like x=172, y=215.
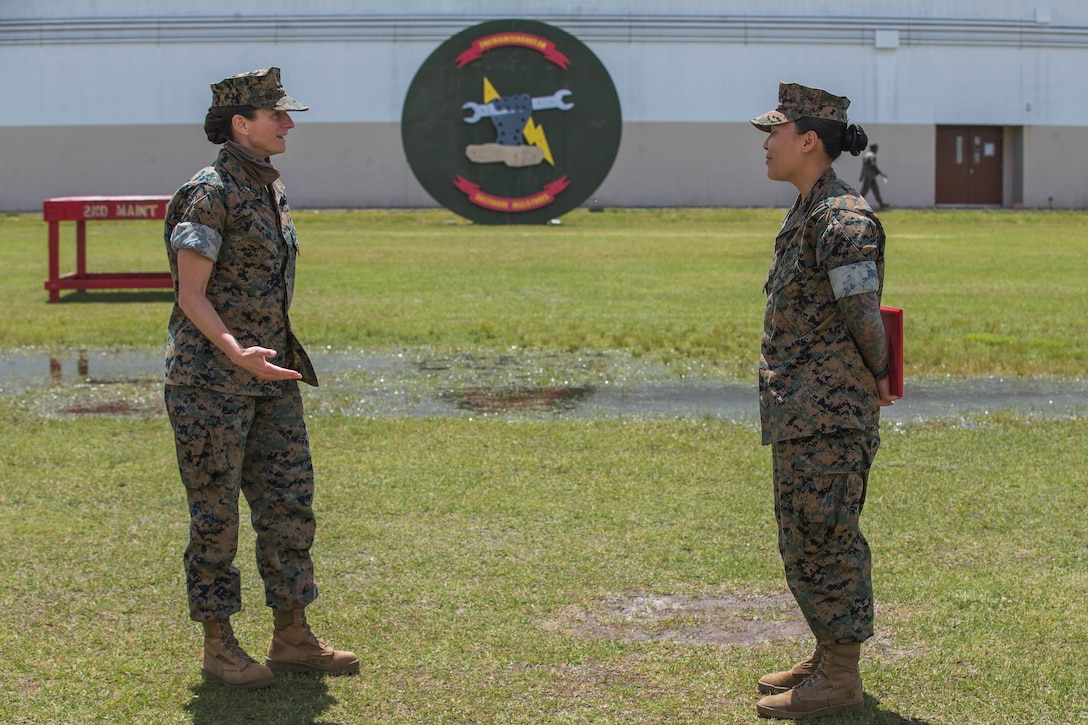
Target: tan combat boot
x=781, y=681
x=227, y=663
x=834, y=689
x=294, y=648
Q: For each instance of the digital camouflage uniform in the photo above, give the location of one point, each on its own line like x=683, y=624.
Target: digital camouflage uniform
x=819, y=405
x=233, y=431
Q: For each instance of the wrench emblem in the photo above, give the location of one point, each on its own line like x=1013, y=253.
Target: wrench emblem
x=542, y=103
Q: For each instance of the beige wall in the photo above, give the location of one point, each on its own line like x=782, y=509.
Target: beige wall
x=363, y=166
x=326, y=165
x=721, y=164
x=1055, y=167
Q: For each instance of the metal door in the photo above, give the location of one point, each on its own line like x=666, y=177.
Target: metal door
x=969, y=165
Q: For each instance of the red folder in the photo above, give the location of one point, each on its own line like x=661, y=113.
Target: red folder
x=893, y=332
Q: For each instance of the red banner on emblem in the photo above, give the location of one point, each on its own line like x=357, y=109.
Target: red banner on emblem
x=501, y=203
x=522, y=40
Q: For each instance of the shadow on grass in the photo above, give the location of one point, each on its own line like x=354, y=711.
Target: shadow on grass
x=873, y=714
x=78, y=297
x=294, y=699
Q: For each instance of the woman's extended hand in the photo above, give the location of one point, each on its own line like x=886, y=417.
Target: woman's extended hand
x=256, y=361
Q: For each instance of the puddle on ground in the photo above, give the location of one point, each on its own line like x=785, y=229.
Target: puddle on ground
x=518, y=383
x=547, y=399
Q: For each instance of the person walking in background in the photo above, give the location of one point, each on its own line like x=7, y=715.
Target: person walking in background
x=823, y=375
x=237, y=416
x=869, y=173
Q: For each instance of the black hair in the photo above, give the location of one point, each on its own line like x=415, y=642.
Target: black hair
x=217, y=124
x=836, y=135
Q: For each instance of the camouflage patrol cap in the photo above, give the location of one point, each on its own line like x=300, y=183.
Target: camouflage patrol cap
x=797, y=101
x=258, y=88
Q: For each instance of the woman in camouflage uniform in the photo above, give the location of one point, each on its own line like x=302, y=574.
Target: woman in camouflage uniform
x=823, y=377
x=237, y=416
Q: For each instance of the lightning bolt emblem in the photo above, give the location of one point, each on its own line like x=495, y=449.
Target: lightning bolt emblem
x=534, y=135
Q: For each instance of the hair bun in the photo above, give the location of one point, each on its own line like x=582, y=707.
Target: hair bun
x=854, y=139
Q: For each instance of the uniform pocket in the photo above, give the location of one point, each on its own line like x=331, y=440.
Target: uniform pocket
x=828, y=482
x=812, y=463
x=843, y=452
x=210, y=439
x=203, y=454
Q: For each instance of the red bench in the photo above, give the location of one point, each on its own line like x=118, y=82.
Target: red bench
x=81, y=209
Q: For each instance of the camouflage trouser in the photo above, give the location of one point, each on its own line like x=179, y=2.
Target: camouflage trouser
x=259, y=445
x=819, y=491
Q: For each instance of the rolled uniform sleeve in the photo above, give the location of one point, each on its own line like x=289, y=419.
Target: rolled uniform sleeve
x=200, y=217
x=854, y=268
x=201, y=239
x=854, y=279
x=850, y=249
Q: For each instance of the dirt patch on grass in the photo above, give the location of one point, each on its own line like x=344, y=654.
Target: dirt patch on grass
x=718, y=619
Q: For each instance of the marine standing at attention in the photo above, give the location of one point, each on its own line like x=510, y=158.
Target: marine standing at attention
x=823, y=375
x=237, y=416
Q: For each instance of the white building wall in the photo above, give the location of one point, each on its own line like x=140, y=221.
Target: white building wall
x=111, y=95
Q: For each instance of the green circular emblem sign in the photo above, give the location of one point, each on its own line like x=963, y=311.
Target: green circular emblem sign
x=511, y=122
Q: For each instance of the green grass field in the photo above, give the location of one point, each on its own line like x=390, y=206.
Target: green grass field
x=986, y=292
x=512, y=569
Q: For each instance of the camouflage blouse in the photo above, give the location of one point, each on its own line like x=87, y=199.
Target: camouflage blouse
x=249, y=235
x=812, y=378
